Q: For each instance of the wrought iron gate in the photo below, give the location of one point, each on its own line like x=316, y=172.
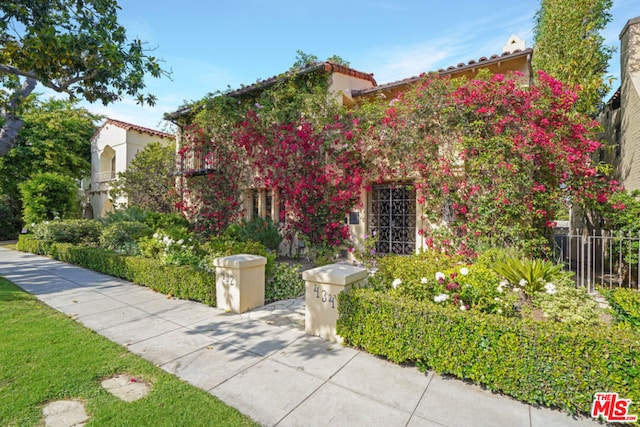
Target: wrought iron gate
x=607, y=258
x=392, y=217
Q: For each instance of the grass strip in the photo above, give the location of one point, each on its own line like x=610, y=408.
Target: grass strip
x=47, y=356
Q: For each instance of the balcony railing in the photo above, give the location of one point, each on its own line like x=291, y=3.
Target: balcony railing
x=105, y=176
x=194, y=162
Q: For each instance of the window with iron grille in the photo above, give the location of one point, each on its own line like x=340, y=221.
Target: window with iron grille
x=392, y=217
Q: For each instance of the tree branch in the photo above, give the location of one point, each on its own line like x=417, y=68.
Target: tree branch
x=12, y=123
x=58, y=87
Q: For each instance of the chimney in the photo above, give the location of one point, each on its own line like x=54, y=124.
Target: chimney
x=514, y=43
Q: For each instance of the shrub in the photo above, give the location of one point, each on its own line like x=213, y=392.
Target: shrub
x=261, y=230
x=490, y=257
x=69, y=231
x=286, y=282
x=48, y=196
x=165, y=221
x=411, y=269
x=122, y=236
x=530, y=274
x=129, y=214
x=542, y=363
x=174, y=246
x=471, y=287
x=568, y=304
x=29, y=243
x=625, y=304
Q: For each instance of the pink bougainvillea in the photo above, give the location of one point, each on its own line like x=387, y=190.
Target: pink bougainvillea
x=492, y=159
x=316, y=172
x=502, y=156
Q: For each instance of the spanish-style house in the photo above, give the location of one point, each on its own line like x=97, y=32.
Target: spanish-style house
x=113, y=147
x=388, y=209
x=621, y=116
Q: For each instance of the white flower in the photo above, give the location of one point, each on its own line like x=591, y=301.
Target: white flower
x=439, y=275
x=523, y=282
x=462, y=306
x=497, y=299
x=464, y=271
x=499, y=288
x=423, y=280
x=396, y=283
x=499, y=311
x=156, y=235
x=550, y=288
x=516, y=289
x=180, y=242
x=441, y=298
x=504, y=283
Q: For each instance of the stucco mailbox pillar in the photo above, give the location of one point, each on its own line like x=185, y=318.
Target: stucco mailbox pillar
x=240, y=282
x=322, y=286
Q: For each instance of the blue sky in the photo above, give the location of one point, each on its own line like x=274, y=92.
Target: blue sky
x=212, y=45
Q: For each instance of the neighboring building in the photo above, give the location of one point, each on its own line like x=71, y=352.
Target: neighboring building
x=621, y=116
x=389, y=210
x=113, y=147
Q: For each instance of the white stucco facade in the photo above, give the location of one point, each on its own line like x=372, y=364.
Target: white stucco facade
x=113, y=147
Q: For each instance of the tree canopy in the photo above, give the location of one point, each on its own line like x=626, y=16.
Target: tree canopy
x=570, y=48
x=55, y=138
x=70, y=46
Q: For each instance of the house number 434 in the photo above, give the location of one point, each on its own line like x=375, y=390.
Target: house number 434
x=325, y=296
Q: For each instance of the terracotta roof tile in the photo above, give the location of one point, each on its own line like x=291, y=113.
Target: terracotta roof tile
x=483, y=61
x=326, y=66
x=129, y=126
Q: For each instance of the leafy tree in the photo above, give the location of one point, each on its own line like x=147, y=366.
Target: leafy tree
x=305, y=59
x=570, y=48
x=48, y=196
x=148, y=182
x=55, y=138
x=70, y=46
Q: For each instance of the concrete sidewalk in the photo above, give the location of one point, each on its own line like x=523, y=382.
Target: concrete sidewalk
x=262, y=363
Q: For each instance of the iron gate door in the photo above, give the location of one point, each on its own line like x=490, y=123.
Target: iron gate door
x=392, y=217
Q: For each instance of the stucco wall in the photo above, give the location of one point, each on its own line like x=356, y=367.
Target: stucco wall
x=126, y=144
x=629, y=163
x=343, y=84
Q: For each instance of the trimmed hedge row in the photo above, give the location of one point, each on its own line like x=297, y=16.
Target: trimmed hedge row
x=183, y=282
x=542, y=363
x=625, y=303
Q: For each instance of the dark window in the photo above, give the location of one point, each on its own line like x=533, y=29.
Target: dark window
x=393, y=218
x=255, y=199
x=268, y=205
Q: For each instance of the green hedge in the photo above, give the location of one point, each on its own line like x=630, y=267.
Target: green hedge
x=542, y=363
x=625, y=304
x=183, y=282
x=28, y=243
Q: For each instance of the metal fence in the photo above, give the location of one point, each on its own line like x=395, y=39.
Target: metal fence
x=604, y=258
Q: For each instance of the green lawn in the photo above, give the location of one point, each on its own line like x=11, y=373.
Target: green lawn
x=46, y=356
